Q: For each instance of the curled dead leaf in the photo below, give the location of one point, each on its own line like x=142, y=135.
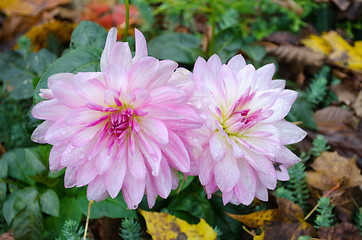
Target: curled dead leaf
x=343, y=231
x=297, y=55
x=344, y=94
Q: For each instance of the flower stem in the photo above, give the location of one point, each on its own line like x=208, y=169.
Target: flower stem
x=125, y=34
x=213, y=26
x=86, y=224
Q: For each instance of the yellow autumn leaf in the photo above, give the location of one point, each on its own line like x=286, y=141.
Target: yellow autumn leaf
x=162, y=226
x=337, y=49
x=257, y=219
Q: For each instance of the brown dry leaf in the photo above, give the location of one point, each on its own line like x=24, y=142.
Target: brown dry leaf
x=256, y=219
x=28, y=7
x=331, y=169
x=358, y=105
x=286, y=222
x=283, y=38
x=7, y=236
x=343, y=231
x=164, y=226
x=343, y=5
x=332, y=119
x=298, y=55
x=344, y=94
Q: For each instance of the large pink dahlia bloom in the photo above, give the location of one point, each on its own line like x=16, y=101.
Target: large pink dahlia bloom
x=118, y=129
x=244, y=132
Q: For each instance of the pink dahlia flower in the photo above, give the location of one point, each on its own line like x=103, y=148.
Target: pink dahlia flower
x=118, y=129
x=244, y=132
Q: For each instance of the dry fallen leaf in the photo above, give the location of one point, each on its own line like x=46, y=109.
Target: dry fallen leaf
x=291, y=5
x=358, y=105
x=164, y=226
x=28, y=7
x=338, y=50
x=331, y=169
x=343, y=231
x=286, y=222
x=344, y=94
x=256, y=219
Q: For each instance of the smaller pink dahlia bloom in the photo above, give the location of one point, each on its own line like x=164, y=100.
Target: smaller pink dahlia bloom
x=244, y=134
x=119, y=129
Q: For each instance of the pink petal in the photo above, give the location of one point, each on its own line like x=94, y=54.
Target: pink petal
x=227, y=196
x=205, y=80
x=264, y=76
x=155, y=129
x=166, y=69
x=67, y=77
x=91, y=90
x=167, y=96
x=285, y=156
x=218, y=146
x=246, y=79
x=142, y=72
x=282, y=174
x=236, y=63
x=227, y=172
x=54, y=158
x=163, y=181
x=290, y=133
x=214, y=63
x=49, y=110
x=83, y=116
x=282, y=105
x=116, y=77
x=245, y=187
x=70, y=177
x=261, y=191
x=151, y=152
x=40, y=131
x=133, y=190
x=151, y=191
x=114, y=177
x=207, y=165
x=111, y=40
x=86, y=173
x=103, y=161
x=136, y=164
x=277, y=84
x=59, y=132
x=176, y=153
x=230, y=83
x=162, y=112
x=64, y=91
x=97, y=190
x=73, y=156
x=141, y=46
x=120, y=55
x=85, y=135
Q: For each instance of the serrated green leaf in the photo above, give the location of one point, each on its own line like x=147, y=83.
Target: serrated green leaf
x=28, y=223
x=82, y=59
x=49, y=203
x=9, y=211
x=88, y=34
x=180, y=47
x=110, y=207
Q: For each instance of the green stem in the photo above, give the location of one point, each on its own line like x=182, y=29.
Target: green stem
x=125, y=34
x=213, y=26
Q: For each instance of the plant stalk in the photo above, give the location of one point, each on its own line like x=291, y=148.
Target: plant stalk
x=86, y=224
x=125, y=34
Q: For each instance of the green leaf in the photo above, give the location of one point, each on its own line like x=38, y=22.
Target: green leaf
x=3, y=189
x=227, y=43
x=25, y=196
x=28, y=223
x=256, y=53
x=3, y=168
x=88, y=34
x=180, y=47
x=41, y=60
x=49, y=203
x=9, y=211
x=302, y=111
x=69, y=209
x=82, y=59
x=46, y=180
x=110, y=207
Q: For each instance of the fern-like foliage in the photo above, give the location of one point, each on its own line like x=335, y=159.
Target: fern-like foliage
x=358, y=220
x=297, y=185
x=319, y=146
x=284, y=193
x=130, y=230
x=325, y=218
x=71, y=231
x=318, y=87
x=219, y=232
